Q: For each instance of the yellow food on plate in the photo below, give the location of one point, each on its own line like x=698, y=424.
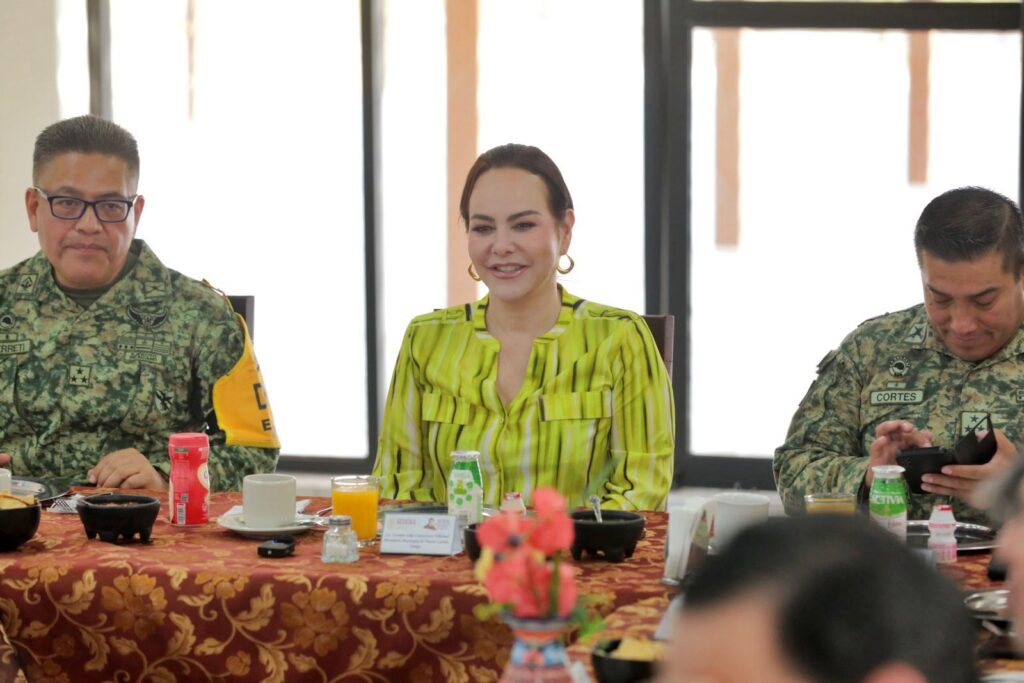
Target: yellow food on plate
x=637, y=649
x=9, y=501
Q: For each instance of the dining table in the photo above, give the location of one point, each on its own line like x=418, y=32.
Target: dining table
x=198, y=603
x=641, y=618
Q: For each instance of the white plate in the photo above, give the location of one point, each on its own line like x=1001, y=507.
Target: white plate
x=236, y=523
x=1005, y=677
x=990, y=604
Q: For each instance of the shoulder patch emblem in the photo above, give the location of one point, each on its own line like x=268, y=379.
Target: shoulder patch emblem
x=917, y=334
x=6, y=321
x=26, y=286
x=899, y=366
x=146, y=320
x=79, y=375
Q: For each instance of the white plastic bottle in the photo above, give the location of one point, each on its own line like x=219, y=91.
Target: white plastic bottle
x=942, y=534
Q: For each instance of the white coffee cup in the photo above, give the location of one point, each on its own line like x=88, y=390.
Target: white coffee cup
x=733, y=512
x=268, y=500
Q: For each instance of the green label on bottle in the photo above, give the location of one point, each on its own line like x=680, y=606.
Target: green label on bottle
x=888, y=497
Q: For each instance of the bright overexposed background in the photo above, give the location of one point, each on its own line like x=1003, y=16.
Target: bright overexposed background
x=260, y=189
x=827, y=214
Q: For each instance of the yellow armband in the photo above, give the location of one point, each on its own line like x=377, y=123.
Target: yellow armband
x=241, y=405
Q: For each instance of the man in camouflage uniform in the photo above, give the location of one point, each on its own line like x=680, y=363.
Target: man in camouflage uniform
x=926, y=375
x=105, y=352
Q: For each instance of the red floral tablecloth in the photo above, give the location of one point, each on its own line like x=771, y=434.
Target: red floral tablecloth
x=199, y=604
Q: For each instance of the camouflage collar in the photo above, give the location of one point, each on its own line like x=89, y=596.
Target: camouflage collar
x=149, y=281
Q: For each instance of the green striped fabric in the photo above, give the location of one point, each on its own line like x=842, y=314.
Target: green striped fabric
x=595, y=413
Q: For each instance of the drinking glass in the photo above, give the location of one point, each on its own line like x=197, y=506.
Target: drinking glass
x=830, y=503
x=357, y=495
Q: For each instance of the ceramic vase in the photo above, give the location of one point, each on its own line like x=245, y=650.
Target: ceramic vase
x=538, y=653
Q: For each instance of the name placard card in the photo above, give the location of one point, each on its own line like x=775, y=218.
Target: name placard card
x=409, y=533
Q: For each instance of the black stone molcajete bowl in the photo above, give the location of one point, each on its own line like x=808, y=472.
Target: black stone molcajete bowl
x=17, y=525
x=609, y=669
x=470, y=543
x=614, y=539
x=118, y=515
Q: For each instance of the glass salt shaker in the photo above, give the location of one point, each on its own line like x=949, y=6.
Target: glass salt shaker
x=340, y=543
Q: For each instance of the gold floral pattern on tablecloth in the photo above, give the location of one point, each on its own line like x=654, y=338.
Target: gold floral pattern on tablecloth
x=199, y=604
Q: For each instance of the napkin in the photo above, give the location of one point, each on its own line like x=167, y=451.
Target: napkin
x=688, y=537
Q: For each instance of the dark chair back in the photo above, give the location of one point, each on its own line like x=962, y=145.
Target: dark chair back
x=245, y=306
x=663, y=330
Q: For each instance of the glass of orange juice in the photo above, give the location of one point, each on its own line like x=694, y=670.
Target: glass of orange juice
x=830, y=503
x=356, y=495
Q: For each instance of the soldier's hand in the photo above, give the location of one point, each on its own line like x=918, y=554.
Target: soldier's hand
x=5, y=460
x=961, y=480
x=891, y=437
x=128, y=469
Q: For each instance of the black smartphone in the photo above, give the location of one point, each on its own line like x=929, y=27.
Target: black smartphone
x=279, y=546
x=969, y=450
x=917, y=462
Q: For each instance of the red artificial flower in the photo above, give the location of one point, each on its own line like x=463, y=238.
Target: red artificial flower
x=503, y=532
x=525, y=572
x=524, y=581
x=554, y=528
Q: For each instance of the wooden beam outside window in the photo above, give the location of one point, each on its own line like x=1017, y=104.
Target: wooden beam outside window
x=462, y=137
x=919, y=56
x=727, y=138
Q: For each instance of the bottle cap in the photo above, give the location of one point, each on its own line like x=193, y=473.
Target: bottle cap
x=189, y=440
x=887, y=471
x=340, y=520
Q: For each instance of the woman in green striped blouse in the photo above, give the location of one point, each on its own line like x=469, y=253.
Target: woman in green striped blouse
x=552, y=390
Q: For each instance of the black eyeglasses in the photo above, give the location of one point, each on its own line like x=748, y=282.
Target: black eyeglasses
x=73, y=208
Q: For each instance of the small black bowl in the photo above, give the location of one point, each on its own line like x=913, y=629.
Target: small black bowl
x=17, y=525
x=610, y=669
x=118, y=515
x=614, y=539
x=470, y=542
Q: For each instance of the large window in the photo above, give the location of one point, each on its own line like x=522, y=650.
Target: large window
x=251, y=142
x=790, y=148
x=577, y=93
x=825, y=208
x=252, y=151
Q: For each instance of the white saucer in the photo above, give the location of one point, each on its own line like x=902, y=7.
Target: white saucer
x=236, y=523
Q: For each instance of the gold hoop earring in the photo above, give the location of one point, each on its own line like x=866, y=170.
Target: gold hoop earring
x=472, y=273
x=566, y=271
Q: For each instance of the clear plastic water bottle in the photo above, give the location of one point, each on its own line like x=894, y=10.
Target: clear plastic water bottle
x=5, y=480
x=340, y=542
x=942, y=534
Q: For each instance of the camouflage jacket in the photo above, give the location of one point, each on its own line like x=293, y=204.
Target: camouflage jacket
x=894, y=367
x=136, y=366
